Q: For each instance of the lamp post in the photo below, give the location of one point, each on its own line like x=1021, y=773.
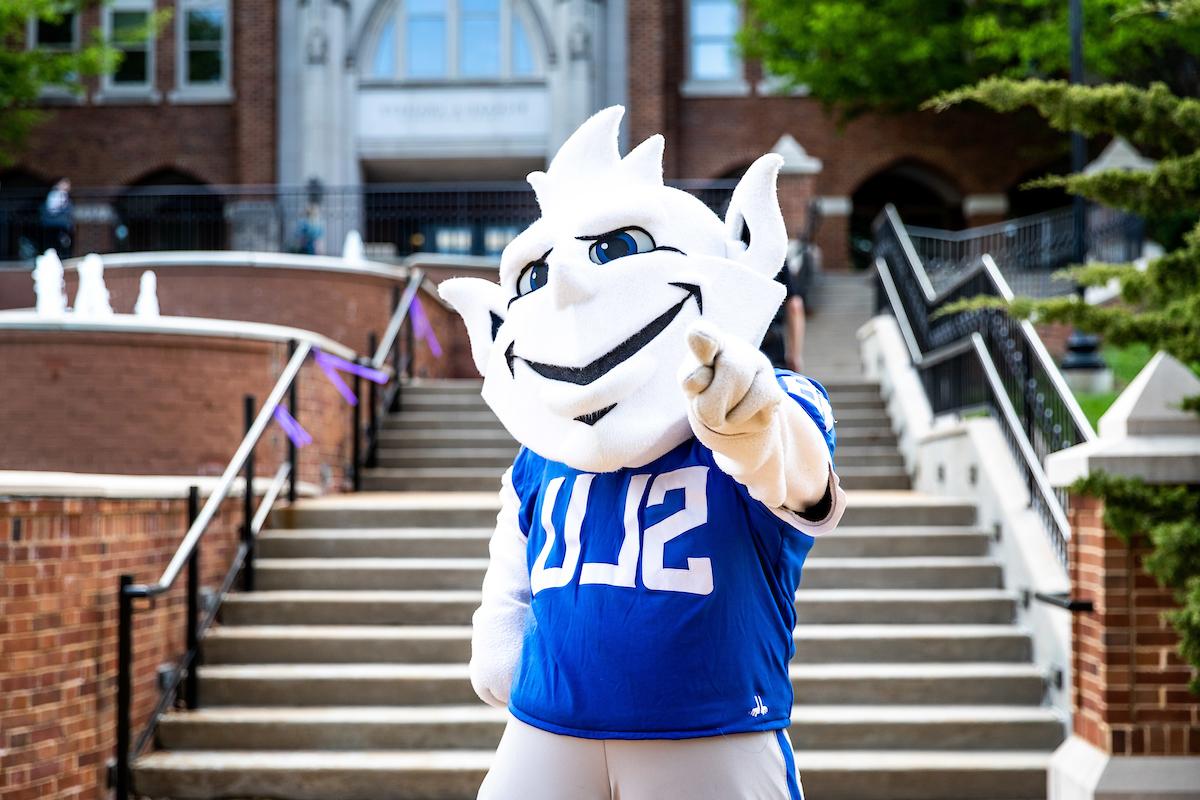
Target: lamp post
x=1082, y=360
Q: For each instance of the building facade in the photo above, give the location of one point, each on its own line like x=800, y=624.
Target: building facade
x=414, y=122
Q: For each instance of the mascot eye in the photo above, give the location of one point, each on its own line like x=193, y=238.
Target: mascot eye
x=618, y=244
x=533, y=277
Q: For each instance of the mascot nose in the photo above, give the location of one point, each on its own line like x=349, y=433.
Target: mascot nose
x=570, y=284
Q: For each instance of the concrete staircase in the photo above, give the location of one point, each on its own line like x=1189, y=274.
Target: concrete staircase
x=345, y=675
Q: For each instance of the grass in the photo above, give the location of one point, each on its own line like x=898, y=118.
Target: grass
x=1126, y=363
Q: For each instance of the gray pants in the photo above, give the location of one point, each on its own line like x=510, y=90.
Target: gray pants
x=532, y=764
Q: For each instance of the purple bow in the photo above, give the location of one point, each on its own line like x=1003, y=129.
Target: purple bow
x=291, y=427
x=423, y=328
x=331, y=364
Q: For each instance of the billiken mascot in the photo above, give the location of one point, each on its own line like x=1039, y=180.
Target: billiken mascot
x=638, y=606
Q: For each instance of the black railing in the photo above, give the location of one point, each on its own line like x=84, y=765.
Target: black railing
x=395, y=220
x=982, y=359
x=1028, y=250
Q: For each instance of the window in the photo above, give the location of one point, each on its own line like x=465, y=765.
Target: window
x=479, y=38
x=426, y=39
x=435, y=40
x=712, y=50
x=61, y=36
x=127, y=25
x=203, y=60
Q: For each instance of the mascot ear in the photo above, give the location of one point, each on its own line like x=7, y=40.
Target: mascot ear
x=754, y=230
x=482, y=305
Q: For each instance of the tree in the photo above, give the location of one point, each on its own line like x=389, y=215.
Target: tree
x=25, y=73
x=1161, y=303
x=891, y=55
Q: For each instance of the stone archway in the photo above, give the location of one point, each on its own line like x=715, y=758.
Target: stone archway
x=922, y=194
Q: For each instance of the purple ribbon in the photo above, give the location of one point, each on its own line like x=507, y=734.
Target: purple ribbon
x=423, y=328
x=331, y=364
x=291, y=427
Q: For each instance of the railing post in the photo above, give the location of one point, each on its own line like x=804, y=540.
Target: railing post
x=294, y=409
x=248, y=505
x=124, y=686
x=410, y=341
x=395, y=406
x=372, y=408
x=356, y=437
x=190, y=688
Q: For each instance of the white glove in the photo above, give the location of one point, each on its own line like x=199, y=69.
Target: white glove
x=772, y=448
x=498, y=626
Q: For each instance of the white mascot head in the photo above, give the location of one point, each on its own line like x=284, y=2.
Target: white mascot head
x=580, y=342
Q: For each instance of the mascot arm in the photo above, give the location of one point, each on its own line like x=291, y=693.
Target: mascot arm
x=498, y=626
x=772, y=448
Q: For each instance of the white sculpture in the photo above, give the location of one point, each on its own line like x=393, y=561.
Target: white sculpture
x=147, y=301
x=352, y=248
x=48, y=285
x=91, y=299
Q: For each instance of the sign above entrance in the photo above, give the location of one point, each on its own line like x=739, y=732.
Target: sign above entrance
x=400, y=122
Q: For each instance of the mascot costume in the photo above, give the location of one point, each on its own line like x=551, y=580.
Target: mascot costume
x=638, y=606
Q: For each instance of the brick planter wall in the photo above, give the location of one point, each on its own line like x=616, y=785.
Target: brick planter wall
x=60, y=560
x=1130, y=692
x=161, y=404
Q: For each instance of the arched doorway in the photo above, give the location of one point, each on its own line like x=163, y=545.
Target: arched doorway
x=1023, y=202
x=21, y=196
x=922, y=195
x=170, y=210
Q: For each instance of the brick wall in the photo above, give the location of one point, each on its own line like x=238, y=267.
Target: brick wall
x=109, y=143
x=1130, y=692
x=60, y=560
x=155, y=404
x=709, y=137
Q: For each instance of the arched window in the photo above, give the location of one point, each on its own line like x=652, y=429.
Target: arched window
x=447, y=40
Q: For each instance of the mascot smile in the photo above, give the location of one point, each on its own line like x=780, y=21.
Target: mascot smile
x=637, y=610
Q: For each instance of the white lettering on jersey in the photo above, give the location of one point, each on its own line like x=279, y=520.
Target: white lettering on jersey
x=697, y=578
x=624, y=572
x=541, y=576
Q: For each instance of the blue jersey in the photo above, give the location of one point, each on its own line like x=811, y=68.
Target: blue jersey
x=662, y=596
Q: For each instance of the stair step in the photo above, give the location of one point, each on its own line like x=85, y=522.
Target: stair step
x=919, y=572
x=868, y=457
x=873, y=477
x=843, y=607
x=445, y=419
x=849, y=542
x=479, y=726
x=497, y=457
x=479, y=509
x=432, y=479
x=421, y=684
x=456, y=774
x=327, y=644
x=456, y=439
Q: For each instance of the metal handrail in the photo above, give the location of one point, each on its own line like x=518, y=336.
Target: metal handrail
x=380, y=357
x=932, y=353
x=188, y=554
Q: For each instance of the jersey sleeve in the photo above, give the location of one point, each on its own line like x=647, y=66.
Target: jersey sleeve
x=812, y=397
x=526, y=476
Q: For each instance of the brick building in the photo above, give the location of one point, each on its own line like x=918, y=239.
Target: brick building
x=359, y=95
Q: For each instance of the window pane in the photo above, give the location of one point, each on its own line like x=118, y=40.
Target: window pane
x=714, y=18
x=383, y=60
x=129, y=27
x=522, y=54
x=57, y=35
x=713, y=61
x=419, y=7
x=426, y=47
x=132, y=69
x=481, y=7
x=205, y=26
x=204, y=66
x=479, y=46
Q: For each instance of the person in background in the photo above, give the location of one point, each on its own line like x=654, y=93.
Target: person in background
x=310, y=232
x=58, y=219
x=784, y=341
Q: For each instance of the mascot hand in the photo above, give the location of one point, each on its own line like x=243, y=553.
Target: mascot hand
x=730, y=386
x=492, y=671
